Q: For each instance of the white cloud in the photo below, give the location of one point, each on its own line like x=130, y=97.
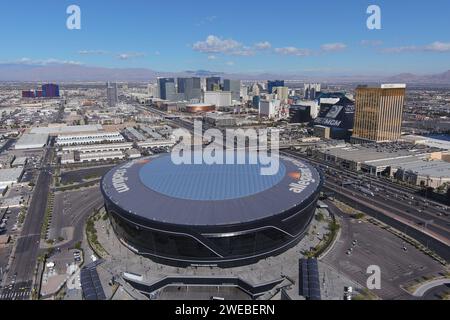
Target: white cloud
x=214, y=44
x=211, y=18
x=208, y=19
x=293, y=51
x=264, y=45
x=333, y=47
x=371, y=43
x=437, y=46
x=230, y=63
x=130, y=55
x=212, y=57
x=45, y=62
x=401, y=49
x=92, y=52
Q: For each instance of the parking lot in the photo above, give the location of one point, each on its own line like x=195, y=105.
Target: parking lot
x=363, y=244
x=80, y=175
x=70, y=212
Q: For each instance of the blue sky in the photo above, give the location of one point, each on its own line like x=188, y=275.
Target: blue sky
x=323, y=37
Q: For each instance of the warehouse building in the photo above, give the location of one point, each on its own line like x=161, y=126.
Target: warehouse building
x=134, y=135
x=10, y=176
x=89, y=138
x=101, y=156
x=432, y=174
x=97, y=148
x=63, y=129
x=32, y=141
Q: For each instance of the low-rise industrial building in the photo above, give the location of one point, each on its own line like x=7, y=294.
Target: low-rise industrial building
x=220, y=119
x=133, y=154
x=31, y=141
x=322, y=132
x=155, y=144
x=89, y=138
x=133, y=134
x=19, y=162
x=97, y=148
x=54, y=130
x=433, y=174
x=373, y=160
x=101, y=156
x=68, y=158
x=10, y=176
x=152, y=133
x=434, y=143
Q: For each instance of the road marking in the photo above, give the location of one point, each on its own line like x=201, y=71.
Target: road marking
x=28, y=236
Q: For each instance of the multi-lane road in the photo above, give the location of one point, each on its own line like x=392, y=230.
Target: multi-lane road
x=415, y=213
x=19, y=281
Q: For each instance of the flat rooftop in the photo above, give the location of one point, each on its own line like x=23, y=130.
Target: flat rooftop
x=67, y=129
x=435, y=143
x=436, y=168
x=364, y=154
x=8, y=175
x=32, y=141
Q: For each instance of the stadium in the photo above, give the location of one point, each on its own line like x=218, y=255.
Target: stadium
x=210, y=215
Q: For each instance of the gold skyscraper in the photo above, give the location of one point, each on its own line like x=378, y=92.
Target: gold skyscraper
x=378, y=113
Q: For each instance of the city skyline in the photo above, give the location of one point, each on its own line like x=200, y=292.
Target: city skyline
x=332, y=40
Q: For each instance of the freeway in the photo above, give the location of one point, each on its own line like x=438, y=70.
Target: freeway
x=21, y=272
x=393, y=211
x=417, y=212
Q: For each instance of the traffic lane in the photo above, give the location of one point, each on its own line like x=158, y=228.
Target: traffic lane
x=408, y=196
x=16, y=291
x=376, y=246
x=409, y=220
x=406, y=211
x=27, y=246
x=424, y=215
x=24, y=258
x=414, y=221
x=415, y=203
x=383, y=183
x=406, y=193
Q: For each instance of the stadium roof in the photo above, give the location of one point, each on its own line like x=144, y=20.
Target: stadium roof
x=157, y=189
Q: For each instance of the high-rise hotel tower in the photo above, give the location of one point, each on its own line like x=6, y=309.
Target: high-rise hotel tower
x=378, y=113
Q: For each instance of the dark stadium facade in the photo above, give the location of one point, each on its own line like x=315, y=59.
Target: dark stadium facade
x=210, y=215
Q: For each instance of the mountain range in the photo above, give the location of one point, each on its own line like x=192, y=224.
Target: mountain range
x=73, y=72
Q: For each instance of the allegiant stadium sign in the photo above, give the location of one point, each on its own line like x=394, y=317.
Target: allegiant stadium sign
x=304, y=178
x=119, y=178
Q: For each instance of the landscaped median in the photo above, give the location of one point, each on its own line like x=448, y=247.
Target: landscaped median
x=91, y=233
x=48, y=216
